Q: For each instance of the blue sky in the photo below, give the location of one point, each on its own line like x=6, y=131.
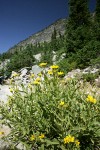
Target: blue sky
x=21, y=18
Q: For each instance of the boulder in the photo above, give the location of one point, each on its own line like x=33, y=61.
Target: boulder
x=23, y=72
x=36, y=69
x=37, y=57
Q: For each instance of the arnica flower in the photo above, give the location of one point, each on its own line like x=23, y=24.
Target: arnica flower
x=69, y=139
x=62, y=103
x=91, y=99
x=38, y=79
x=11, y=90
x=32, y=75
x=77, y=143
x=42, y=64
x=50, y=72
x=54, y=67
x=1, y=133
x=41, y=136
x=36, y=82
x=32, y=138
x=60, y=73
x=39, y=74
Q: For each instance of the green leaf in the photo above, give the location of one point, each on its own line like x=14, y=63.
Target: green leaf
x=55, y=142
x=42, y=147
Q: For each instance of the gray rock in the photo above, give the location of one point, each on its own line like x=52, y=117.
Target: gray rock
x=36, y=69
x=4, y=92
x=97, y=82
x=37, y=57
x=23, y=72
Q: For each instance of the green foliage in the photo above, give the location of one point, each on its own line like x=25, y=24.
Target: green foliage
x=66, y=65
x=21, y=59
x=78, y=13
x=54, y=40
x=90, y=77
x=52, y=115
x=5, y=55
x=82, y=34
x=98, y=11
x=86, y=55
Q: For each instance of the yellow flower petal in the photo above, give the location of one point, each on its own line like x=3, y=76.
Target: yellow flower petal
x=1, y=133
x=62, y=103
x=60, y=73
x=54, y=67
x=41, y=136
x=32, y=138
x=42, y=64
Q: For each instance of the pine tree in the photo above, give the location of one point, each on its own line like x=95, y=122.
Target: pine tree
x=97, y=21
x=98, y=11
x=82, y=34
x=77, y=26
x=54, y=41
x=78, y=13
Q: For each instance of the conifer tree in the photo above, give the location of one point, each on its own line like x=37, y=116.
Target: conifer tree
x=54, y=41
x=98, y=11
x=78, y=13
x=77, y=26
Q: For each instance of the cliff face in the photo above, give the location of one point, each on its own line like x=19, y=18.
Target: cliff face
x=43, y=35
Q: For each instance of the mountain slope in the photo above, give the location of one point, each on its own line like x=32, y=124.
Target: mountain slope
x=43, y=35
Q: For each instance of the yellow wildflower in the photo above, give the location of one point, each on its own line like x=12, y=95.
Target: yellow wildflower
x=32, y=75
x=32, y=138
x=54, y=67
x=60, y=73
x=77, y=142
x=62, y=103
x=50, y=72
x=39, y=74
x=69, y=139
x=42, y=64
x=2, y=133
x=41, y=136
x=38, y=79
x=91, y=99
x=36, y=82
x=30, y=86
x=11, y=90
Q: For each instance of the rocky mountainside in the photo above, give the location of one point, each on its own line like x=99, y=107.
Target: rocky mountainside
x=43, y=35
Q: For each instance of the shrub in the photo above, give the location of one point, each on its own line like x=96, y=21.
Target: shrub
x=52, y=114
x=90, y=77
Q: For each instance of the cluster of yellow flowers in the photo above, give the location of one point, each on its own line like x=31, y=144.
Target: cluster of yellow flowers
x=91, y=99
x=71, y=139
x=41, y=136
x=53, y=69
